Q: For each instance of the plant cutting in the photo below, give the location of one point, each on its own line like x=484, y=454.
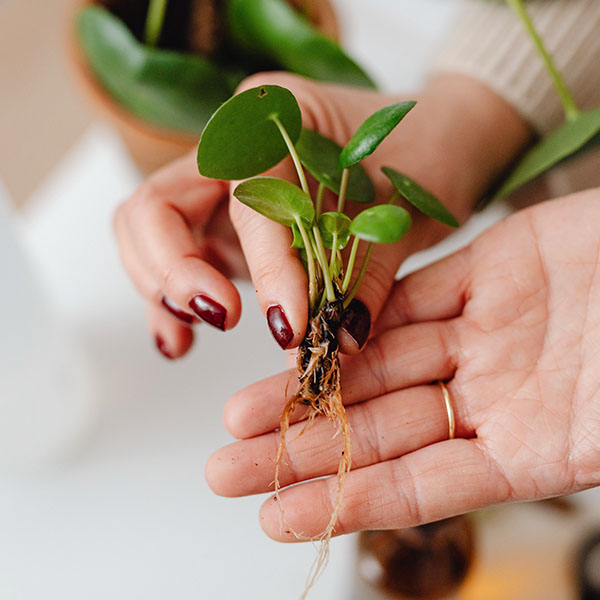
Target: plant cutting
x=167, y=66
x=254, y=131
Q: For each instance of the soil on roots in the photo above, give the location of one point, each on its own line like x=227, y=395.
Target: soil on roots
x=320, y=391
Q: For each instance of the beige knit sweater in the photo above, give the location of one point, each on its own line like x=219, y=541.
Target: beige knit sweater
x=489, y=43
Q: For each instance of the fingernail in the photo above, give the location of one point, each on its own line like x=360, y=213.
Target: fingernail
x=176, y=311
x=356, y=322
x=162, y=347
x=209, y=310
x=279, y=326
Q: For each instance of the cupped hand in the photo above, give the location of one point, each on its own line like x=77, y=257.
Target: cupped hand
x=512, y=323
x=180, y=249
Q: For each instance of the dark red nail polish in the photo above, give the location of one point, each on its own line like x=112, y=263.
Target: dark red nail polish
x=279, y=326
x=162, y=347
x=176, y=311
x=209, y=310
x=356, y=322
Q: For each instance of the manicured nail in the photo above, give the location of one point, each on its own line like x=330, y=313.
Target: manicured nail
x=279, y=326
x=176, y=311
x=356, y=322
x=162, y=347
x=209, y=310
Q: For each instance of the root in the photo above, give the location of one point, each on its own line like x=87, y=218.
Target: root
x=320, y=392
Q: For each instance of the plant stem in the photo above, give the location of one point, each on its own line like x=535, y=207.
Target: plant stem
x=350, y=267
x=361, y=275
x=322, y=258
x=310, y=260
x=155, y=18
x=293, y=154
x=570, y=108
x=343, y=187
x=319, y=201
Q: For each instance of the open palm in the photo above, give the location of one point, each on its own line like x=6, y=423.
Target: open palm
x=513, y=322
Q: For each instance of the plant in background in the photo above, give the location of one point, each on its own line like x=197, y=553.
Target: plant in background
x=249, y=134
x=180, y=90
x=579, y=130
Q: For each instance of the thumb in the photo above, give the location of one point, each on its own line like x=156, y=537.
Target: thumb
x=372, y=295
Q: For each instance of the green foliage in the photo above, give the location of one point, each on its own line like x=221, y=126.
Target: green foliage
x=321, y=156
x=277, y=199
x=169, y=89
x=373, y=131
x=297, y=242
x=241, y=139
x=277, y=32
x=334, y=224
x=382, y=224
x=419, y=197
x=563, y=142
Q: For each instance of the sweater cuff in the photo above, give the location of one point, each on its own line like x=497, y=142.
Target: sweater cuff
x=490, y=44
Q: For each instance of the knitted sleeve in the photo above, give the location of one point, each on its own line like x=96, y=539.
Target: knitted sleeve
x=489, y=43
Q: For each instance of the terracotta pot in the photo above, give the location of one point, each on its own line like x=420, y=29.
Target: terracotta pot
x=152, y=146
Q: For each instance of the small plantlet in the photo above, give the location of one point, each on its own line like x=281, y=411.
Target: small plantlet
x=251, y=133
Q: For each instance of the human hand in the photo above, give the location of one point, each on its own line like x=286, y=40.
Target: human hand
x=513, y=321
x=457, y=139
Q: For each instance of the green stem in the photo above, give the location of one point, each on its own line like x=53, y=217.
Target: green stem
x=360, y=277
x=343, y=187
x=293, y=154
x=570, y=108
x=350, y=267
x=319, y=201
x=310, y=260
x=155, y=18
x=322, y=258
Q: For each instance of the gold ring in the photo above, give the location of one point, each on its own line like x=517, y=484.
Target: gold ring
x=449, y=410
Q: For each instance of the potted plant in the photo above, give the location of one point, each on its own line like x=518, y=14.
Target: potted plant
x=158, y=70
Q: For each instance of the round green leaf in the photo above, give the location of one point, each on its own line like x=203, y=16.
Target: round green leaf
x=167, y=88
x=373, y=131
x=419, y=197
x=321, y=156
x=563, y=142
x=242, y=140
x=277, y=199
x=274, y=30
x=331, y=223
x=382, y=224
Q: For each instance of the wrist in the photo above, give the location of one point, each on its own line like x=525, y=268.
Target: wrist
x=470, y=136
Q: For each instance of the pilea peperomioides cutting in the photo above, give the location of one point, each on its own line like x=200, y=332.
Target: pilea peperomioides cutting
x=252, y=132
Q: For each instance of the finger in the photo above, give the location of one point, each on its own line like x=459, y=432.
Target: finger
x=435, y=482
x=427, y=354
x=172, y=338
x=156, y=225
x=436, y=292
x=382, y=429
x=277, y=273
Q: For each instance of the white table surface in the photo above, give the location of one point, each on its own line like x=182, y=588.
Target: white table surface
x=124, y=511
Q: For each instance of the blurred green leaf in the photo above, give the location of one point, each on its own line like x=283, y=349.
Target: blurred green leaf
x=331, y=223
x=275, y=30
x=277, y=199
x=241, y=139
x=170, y=89
x=382, y=224
x=373, y=131
x=321, y=156
x=560, y=144
x=419, y=197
